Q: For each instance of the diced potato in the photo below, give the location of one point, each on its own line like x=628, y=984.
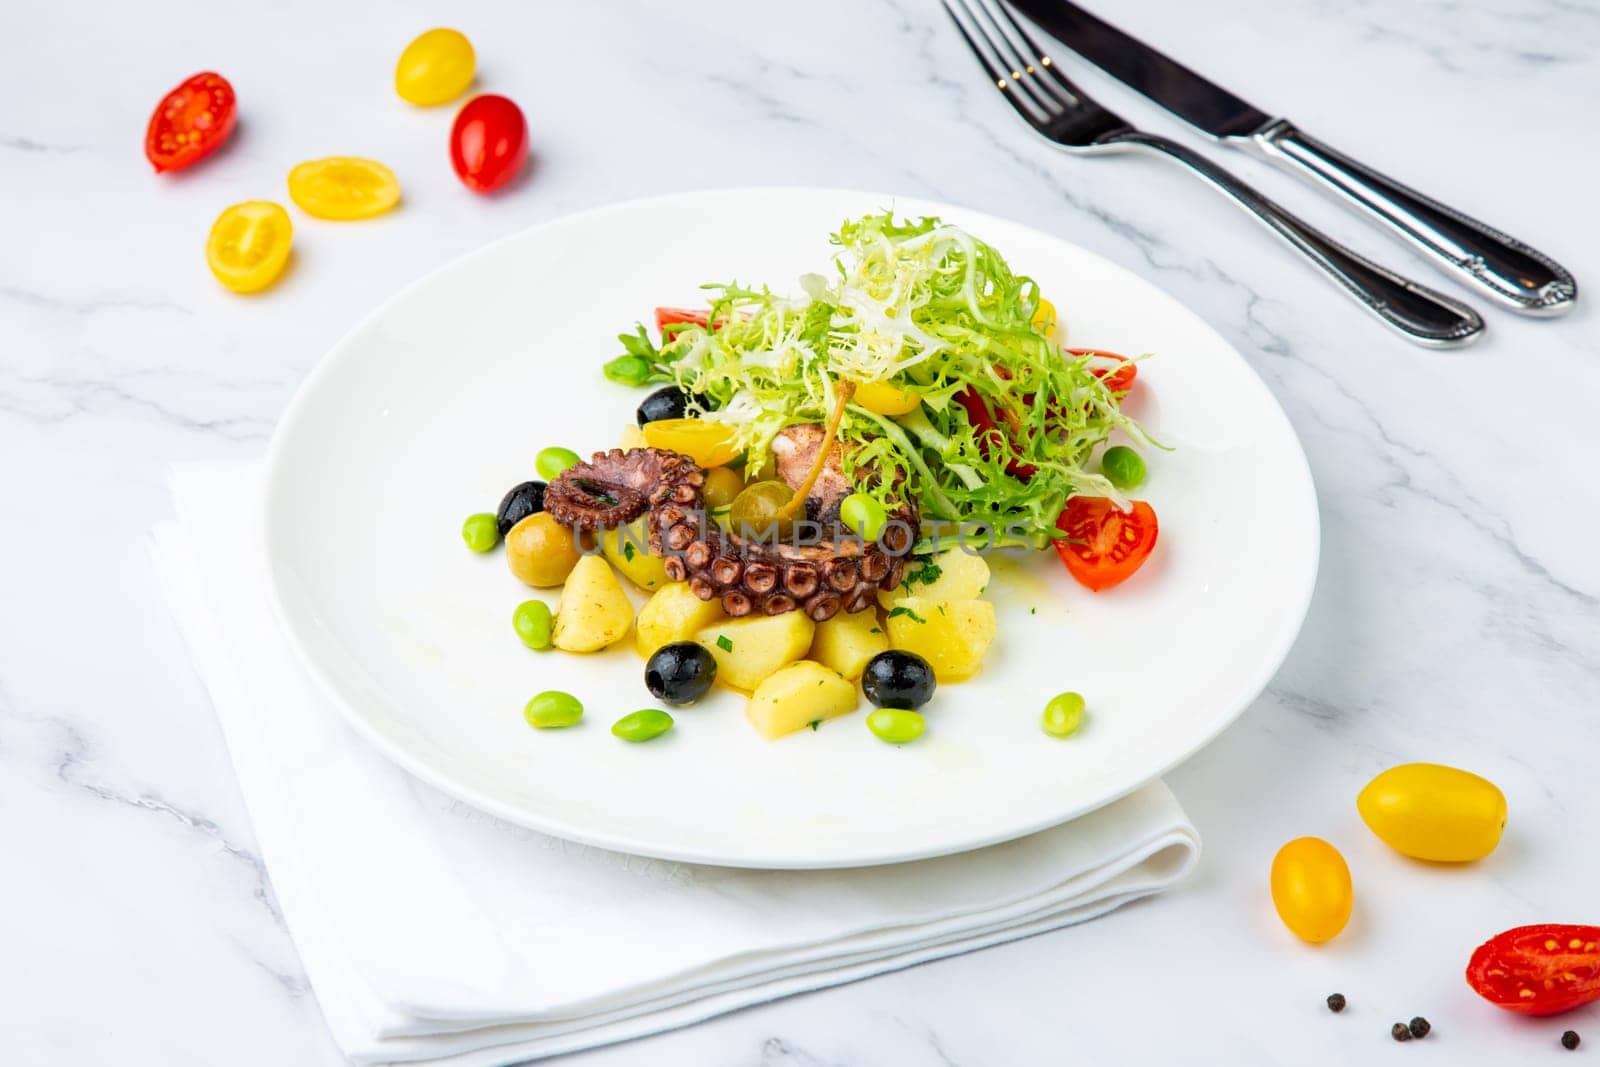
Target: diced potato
x=952, y=635
x=845, y=642
x=594, y=611
x=628, y=549
x=674, y=613
x=961, y=576
x=632, y=438
x=750, y=650
x=797, y=696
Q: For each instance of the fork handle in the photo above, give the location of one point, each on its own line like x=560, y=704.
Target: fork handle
x=1520, y=277
x=1417, y=312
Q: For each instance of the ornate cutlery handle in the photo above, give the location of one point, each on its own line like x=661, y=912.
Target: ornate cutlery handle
x=1422, y=315
x=1520, y=277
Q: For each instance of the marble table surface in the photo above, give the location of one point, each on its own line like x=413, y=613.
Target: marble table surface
x=1457, y=615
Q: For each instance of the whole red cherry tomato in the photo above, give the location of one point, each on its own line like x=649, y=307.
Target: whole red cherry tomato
x=190, y=123
x=488, y=143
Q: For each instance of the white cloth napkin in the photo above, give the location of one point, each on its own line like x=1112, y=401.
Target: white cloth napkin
x=433, y=933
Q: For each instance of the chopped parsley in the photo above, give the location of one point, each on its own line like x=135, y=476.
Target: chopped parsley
x=927, y=574
x=875, y=630
x=814, y=723
x=724, y=642
x=903, y=610
x=627, y=550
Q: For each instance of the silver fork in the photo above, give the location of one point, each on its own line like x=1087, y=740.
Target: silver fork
x=1062, y=113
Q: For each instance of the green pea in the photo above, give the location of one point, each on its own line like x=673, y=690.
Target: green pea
x=480, y=532
x=552, y=461
x=532, y=621
x=1123, y=467
x=642, y=725
x=863, y=514
x=628, y=370
x=896, y=725
x=553, y=710
x=1063, y=715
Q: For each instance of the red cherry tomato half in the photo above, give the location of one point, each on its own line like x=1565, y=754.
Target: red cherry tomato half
x=989, y=434
x=488, y=143
x=680, y=317
x=190, y=123
x=1118, y=372
x=1104, y=545
x=1538, y=970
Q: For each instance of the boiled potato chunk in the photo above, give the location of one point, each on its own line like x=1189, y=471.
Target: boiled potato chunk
x=845, y=642
x=952, y=635
x=628, y=549
x=962, y=576
x=674, y=613
x=632, y=438
x=594, y=611
x=750, y=650
x=797, y=696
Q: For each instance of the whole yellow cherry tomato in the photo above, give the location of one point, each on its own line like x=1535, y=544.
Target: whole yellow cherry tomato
x=886, y=398
x=1044, y=318
x=435, y=68
x=710, y=444
x=1311, y=889
x=343, y=187
x=249, y=245
x=1432, y=812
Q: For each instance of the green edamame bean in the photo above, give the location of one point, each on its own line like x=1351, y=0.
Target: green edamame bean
x=628, y=370
x=480, y=532
x=642, y=725
x=863, y=514
x=896, y=725
x=532, y=621
x=551, y=461
x=553, y=710
x=1123, y=467
x=1063, y=715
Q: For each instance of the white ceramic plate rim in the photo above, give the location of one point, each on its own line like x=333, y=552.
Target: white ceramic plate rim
x=332, y=687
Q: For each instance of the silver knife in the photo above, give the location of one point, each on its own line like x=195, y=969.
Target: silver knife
x=1502, y=267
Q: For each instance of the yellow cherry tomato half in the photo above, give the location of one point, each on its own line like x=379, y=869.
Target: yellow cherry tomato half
x=886, y=398
x=1432, y=812
x=1311, y=889
x=249, y=245
x=435, y=68
x=1044, y=317
x=710, y=444
x=343, y=187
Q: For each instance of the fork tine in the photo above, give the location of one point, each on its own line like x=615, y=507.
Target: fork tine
x=1004, y=62
x=1001, y=77
x=1023, y=56
x=1041, y=59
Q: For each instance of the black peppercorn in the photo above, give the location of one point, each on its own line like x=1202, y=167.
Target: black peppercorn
x=1570, y=1039
x=1400, y=1032
x=1336, y=1002
x=1420, y=1027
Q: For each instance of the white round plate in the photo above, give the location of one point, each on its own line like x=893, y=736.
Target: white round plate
x=438, y=402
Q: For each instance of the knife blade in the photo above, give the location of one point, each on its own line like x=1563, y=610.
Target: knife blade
x=1163, y=79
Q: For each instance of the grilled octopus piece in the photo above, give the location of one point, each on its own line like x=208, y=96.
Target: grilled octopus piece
x=747, y=576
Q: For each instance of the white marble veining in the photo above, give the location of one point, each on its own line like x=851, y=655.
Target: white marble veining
x=1457, y=617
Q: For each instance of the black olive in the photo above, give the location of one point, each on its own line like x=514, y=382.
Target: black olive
x=522, y=501
x=680, y=673
x=897, y=679
x=668, y=402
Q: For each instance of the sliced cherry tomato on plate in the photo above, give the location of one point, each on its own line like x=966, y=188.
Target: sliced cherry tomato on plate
x=1104, y=546
x=249, y=245
x=1118, y=372
x=343, y=187
x=990, y=436
x=488, y=142
x=1538, y=970
x=680, y=317
x=190, y=123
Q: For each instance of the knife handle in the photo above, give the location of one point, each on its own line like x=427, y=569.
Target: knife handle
x=1502, y=267
x=1419, y=313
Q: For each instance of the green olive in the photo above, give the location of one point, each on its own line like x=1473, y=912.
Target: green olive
x=864, y=515
x=642, y=725
x=722, y=486
x=896, y=725
x=553, y=710
x=1122, y=466
x=532, y=621
x=1063, y=715
x=480, y=532
x=754, y=512
x=550, y=462
x=541, y=551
